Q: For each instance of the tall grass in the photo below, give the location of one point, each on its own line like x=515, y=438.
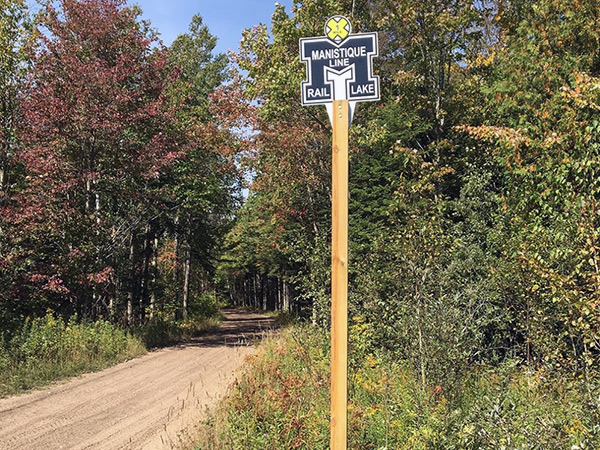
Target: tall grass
x=48, y=348
x=281, y=401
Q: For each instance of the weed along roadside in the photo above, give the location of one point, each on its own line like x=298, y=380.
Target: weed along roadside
x=281, y=401
x=50, y=349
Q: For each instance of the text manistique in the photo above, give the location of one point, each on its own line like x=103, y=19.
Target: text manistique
x=339, y=53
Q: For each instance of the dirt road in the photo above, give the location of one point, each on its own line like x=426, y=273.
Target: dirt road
x=148, y=403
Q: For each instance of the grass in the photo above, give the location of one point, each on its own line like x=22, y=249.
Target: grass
x=160, y=332
x=281, y=401
x=49, y=349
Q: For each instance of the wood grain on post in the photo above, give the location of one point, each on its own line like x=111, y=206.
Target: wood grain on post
x=339, y=276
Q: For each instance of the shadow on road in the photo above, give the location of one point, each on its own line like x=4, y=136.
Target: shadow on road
x=239, y=328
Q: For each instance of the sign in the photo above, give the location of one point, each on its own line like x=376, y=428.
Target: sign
x=339, y=65
x=339, y=74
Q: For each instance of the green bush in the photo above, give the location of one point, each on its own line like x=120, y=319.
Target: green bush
x=510, y=408
x=49, y=348
x=4, y=356
x=161, y=331
x=204, y=305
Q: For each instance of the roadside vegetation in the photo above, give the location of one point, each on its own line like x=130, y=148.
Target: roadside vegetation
x=281, y=401
x=116, y=184
x=48, y=349
x=139, y=182
x=474, y=263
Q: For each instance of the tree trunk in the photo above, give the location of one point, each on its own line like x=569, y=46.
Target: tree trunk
x=186, y=280
x=271, y=293
x=264, y=284
x=97, y=205
x=256, y=305
x=279, y=305
x=286, y=296
x=111, y=306
x=231, y=288
x=131, y=293
x=88, y=195
x=176, y=264
x=154, y=278
x=144, y=297
x=3, y=169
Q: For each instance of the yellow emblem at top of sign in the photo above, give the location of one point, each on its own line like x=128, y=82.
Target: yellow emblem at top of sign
x=337, y=28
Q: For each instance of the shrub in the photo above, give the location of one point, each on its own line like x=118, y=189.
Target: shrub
x=204, y=305
x=48, y=348
x=162, y=331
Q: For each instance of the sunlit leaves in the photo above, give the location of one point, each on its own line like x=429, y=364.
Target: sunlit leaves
x=543, y=130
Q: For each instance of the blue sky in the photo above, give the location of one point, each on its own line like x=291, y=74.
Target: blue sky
x=225, y=18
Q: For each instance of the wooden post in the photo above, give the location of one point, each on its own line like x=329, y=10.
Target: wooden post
x=339, y=276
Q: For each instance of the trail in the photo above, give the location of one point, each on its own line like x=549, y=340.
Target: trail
x=152, y=402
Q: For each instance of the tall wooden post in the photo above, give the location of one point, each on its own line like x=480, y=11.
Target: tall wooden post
x=335, y=84
x=339, y=277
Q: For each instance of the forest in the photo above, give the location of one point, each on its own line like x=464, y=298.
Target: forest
x=473, y=183
x=141, y=183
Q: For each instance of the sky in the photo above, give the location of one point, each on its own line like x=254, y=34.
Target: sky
x=225, y=18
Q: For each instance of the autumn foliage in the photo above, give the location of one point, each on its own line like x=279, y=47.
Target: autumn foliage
x=139, y=182
x=473, y=206
x=100, y=143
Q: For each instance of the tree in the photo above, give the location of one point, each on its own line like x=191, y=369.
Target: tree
x=289, y=152
x=13, y=34
x=204, y=184
x=201, y=72
x=542, y=130
x=412, y=181
x=13, y=23
x=98, y=131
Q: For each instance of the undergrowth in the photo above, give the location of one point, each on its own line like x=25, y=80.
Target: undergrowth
x=48, y=348
x=281, y=401
x=160, y=331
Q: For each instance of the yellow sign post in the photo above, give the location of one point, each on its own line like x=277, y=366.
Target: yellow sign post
x=339, y=74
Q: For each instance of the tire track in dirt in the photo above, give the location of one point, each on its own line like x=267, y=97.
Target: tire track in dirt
x=150, y=403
